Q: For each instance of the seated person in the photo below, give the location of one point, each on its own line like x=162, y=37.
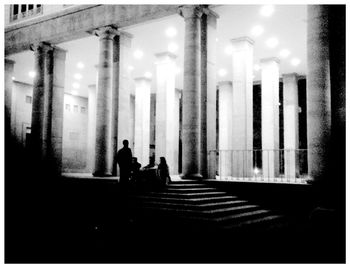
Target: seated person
x=135, y=168
x=151, y=164
x=149, y=172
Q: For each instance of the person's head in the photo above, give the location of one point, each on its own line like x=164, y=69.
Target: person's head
x=134, y=159
x=125, y=143
x=151, y=160
x=162, y=160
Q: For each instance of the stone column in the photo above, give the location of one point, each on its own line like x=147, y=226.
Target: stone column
x=91, y=127
x=291, y=125
x=38, y=104
x=120, y=95
x=177, y=130
x=56, y=109
x=165, y=109
x=318, y=91
x=142, y=119
x=9, y=69
x=191, y=93
x=270, y=116
x=225, y=128
x=208, y=93
x=242, y=113
x=103, y=100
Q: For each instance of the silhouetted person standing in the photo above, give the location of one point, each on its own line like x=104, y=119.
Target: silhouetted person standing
x=124, y=158
x=163, y=171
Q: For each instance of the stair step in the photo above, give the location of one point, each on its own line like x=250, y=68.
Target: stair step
x=254, y=222
x=187, y=185
x=242, y=215
x=185, y=195
x=185, y=200
x=178, y=189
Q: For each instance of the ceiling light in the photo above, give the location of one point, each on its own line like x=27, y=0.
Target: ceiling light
x=32, y=74
x=13, y=78
x=217, y=39
x=138, y=54
x=148, y=74
x=222, y=72
x=257, y=30
x=74, y=92
x=171, y=32
x=229, y=50
x=256, y=67
x=272, y=42
x=80, y=65
x=78, y=76
x=130, y=68
x=295, y=61
x=267, y=10
x=173, y=47
x=76, y=85
x=284, y=53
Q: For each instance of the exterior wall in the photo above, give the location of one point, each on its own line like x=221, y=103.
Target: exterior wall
x=75, y=125
x=47, y=9
x=75, y=129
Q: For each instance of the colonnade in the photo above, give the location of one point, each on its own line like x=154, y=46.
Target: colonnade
x=112, y=97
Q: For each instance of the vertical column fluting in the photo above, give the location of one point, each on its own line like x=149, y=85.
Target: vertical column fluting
x=103, y=102
x=142, y=119
x=38, y=103
x=208, y=93
x=318, y=91
x=291, y=125
x=165, y=110
x=225, y=128
x=91, y=127
x=270, y=116
x=191, y=93
x=242, y=100
x=121, y=129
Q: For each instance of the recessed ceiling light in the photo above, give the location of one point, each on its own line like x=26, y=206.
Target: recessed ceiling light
x=229, y=50
x=295, y=61
x=173, y=47
x=217, y=39
x=74, y=92
x=267, y=10
x=272, y=42
x=222, y=72
x=257, y=30
x=78, y=76
x=171, y=32
x=138, y=54
x=32, y=74
x=80, y=65
x=284, y=53
x=130, y=68
x=256, y=67
x=148, y=74
x=76, y=85
x=13, y=78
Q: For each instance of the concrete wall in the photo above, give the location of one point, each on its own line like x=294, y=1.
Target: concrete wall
x=75, y=124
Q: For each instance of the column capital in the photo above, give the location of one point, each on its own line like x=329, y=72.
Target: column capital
x=190, y=11
x=43, y=46
x=223, y=83
x=210, y=13
x=142, y=78
x=59, y=52
x=107, y=32
x=8, y=61
x=242, y=39
x=268, y=60
x=165, y=56
x=290, y=75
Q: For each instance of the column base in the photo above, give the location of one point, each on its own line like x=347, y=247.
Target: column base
x=196, y=176
x=101, y=174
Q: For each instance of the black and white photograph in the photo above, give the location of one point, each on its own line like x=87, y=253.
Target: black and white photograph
x=174, y=133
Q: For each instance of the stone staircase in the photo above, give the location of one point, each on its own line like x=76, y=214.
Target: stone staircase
x=188, y=204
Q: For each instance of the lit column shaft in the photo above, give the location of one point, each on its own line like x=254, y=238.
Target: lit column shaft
x=270, y=116
x=242, y=113
x=191, y=94
x=318, y=91
x=165, y=110
x=91, y=127
x=103, y=100
x=208, y=93
x=291, y=125
x=225, y=128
